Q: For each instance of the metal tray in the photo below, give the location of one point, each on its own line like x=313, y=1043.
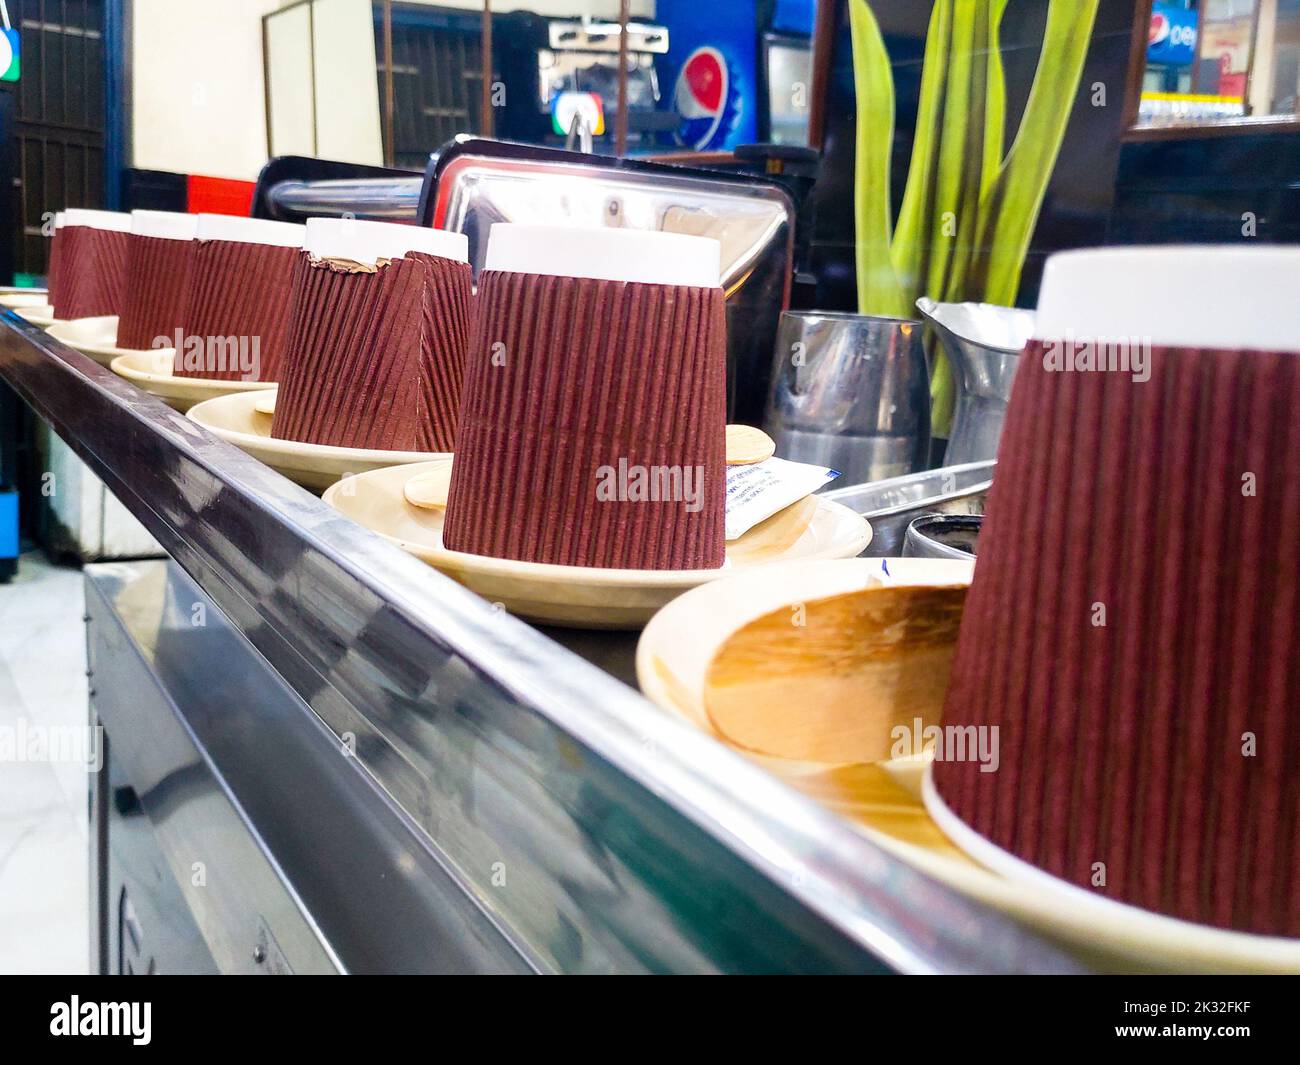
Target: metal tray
x=892, y=505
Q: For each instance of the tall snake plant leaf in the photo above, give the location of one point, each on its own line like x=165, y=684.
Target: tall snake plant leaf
x=995, y=111
x=911, y=247
x=961, y=135
x=878, y=289
x=964, y=157
x=966, y=219
x=1014, y=199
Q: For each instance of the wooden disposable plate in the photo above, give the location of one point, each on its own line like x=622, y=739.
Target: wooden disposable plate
x=96, y=337
x=431, y=489
x=887, y=800
x=25, y=299
x=41, y=314
x=152, y=372
x=829, y=680
x=236, y=418
x=580, y=596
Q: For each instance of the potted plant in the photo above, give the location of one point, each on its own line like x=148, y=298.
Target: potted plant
x=970, y=204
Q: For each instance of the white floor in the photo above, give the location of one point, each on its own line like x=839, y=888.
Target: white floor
x=44, y=875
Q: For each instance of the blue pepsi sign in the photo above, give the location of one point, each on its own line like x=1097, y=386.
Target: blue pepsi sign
x=1172, y=40
x=712, y=65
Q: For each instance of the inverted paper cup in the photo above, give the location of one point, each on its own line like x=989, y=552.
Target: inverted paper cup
x=376, y=351
x=1133, y=629
x=91, y=264
x=159, y=256
x=592, y=429
x=54, y=267
x=236, y=316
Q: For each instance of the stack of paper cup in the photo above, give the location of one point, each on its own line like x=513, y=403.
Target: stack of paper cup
x=1131, y=640
x=54, y=269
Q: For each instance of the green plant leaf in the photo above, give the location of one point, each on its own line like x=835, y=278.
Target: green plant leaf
x=878, y=289
x=911, y=244
x=962, y=117
x=971, y=175
x=1015, y=197
x=995, y=111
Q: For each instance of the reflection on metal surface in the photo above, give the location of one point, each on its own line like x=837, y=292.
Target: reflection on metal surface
x=943, y=536
x=984, y=344
x=474, y=191
x=383, y=199
x=284, y=852
x=479, y=183
x=851, y=392
x=891, y=505
x=584, y=827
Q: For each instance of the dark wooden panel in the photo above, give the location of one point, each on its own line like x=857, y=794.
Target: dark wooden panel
x=1202, y=188
x=61, y=119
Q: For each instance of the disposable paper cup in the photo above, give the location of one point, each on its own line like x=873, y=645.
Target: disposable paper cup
x=160, y=255
x=1133, y=629
x=238, y=302
x=54, y=267
x=593, y=418
x=90, y=268
x=376, y=351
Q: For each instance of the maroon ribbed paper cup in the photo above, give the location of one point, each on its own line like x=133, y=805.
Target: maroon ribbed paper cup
x=159, y=254
x=593, y=419
x=92, y=263
x=1131, y=640
x=236, y=313
x=376, y=351
x=54, y=269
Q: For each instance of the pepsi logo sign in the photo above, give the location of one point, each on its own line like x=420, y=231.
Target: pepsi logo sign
x=1164, y=31
x=701, y=96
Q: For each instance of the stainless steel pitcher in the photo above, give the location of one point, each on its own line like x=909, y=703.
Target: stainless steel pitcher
x=984, y=344
x=851, y=392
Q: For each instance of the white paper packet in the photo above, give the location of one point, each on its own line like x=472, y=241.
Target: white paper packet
x=757, y=491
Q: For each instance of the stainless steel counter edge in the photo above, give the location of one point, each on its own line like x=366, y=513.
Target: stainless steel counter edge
x=640, y=843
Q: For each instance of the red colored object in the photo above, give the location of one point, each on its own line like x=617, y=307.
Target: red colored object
x=1133, y=630
x=375, y=359
x=572, y=383
x=707, y=79
x=210, y=195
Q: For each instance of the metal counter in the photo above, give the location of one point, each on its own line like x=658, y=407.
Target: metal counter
x=371, y=769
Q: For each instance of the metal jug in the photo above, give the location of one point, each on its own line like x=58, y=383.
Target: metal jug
x=984, y=343
x=851, y=392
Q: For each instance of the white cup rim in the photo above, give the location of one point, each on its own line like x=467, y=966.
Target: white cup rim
x=364, y=241
x=110, y=221
x=1204, y=296
x=638, y=256
x=240, y=230
x=169, y=225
